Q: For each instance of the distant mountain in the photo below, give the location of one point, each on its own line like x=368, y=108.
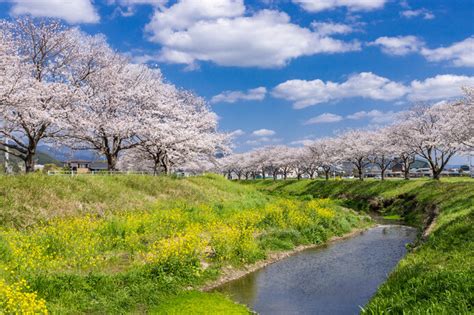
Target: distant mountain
x=63, y=153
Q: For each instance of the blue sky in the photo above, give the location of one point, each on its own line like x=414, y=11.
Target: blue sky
x=293, y=69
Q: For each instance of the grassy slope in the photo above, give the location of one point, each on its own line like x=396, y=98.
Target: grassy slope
x=26, y=200
x=437, y=277
x=83, y=243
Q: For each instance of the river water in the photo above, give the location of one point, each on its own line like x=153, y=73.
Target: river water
x=339, y=278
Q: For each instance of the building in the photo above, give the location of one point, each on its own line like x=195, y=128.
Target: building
x=85, y=166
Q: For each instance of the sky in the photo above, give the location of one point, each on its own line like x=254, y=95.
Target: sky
x=287, y=71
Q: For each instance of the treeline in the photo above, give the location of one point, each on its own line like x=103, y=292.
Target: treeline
x=434, y=133
x=61, y=86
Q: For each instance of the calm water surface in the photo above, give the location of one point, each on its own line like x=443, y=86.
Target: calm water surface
x=336, y=279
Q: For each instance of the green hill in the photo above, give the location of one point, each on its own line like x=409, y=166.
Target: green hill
x=137, y=244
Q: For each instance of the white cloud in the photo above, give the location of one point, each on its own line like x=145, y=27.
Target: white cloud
x=426, y=14
x=400, y=45
x=262, y=140
x=366, y=84
x=256, y=94
x=375, y=116
x=237, y=133
x=128, y=7
x=329, y=28
x=352, y=5
x=304, y=142
x=72, y=11
x=324, y=118
x=439, y=87
x=263, y=132
x=219, y=31
x=460, y=53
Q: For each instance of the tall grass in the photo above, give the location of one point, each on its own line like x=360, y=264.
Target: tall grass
x=28, y=199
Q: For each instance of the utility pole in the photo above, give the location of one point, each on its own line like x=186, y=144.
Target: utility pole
x=8, y=168
x=471, y=164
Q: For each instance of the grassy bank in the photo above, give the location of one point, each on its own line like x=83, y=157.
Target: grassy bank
x=436, y=277
x=142, y=244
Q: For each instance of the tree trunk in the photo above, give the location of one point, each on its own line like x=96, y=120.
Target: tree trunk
x=156, y=166
x=29, y=162
x=263, y=173
x=406, y=170
x=361, y=175
x=382, y=173
x=111, y=162
x=326, y=170
x=436, y=174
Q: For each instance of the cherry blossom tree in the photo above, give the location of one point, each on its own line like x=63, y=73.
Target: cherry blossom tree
x=355, y=148
x=381, y=149
x=179, y=127
x=429, y=135
x=35, y=75
x=111, y=109
x=460, y=118
x=325, y=154
x=401, y=146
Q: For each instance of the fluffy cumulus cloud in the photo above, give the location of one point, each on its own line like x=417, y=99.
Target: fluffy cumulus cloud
x=375, y=116
x=330, y=28
x=352, y=5
x=220, y=31
x=263, y=132
x=72, y=11
x=257, y=94
x=439, y=87
x=366, y=84
x=371, y=86
x=324, y=118
x=424, y=13
x=459, y=54
x=400, y=45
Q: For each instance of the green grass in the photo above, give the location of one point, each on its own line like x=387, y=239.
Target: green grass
x=395, y=217
x=131, y=244
x=437, y=276
x=199, y=303
x=28, y=199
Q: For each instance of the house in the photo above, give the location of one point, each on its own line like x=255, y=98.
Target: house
x=419, y=168
x=85, y=166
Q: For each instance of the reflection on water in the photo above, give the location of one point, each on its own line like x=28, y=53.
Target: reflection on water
x=336, y=279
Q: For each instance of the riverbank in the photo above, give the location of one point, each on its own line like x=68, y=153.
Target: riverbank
x=230, y=274
x=437, y=276
x=125, y=244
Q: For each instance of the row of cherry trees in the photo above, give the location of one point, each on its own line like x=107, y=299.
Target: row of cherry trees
x=61, y=86
x=434, y=133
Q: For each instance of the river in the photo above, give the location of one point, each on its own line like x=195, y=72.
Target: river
x=338, y=278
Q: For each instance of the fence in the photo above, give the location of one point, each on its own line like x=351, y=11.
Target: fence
x=111, y=173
